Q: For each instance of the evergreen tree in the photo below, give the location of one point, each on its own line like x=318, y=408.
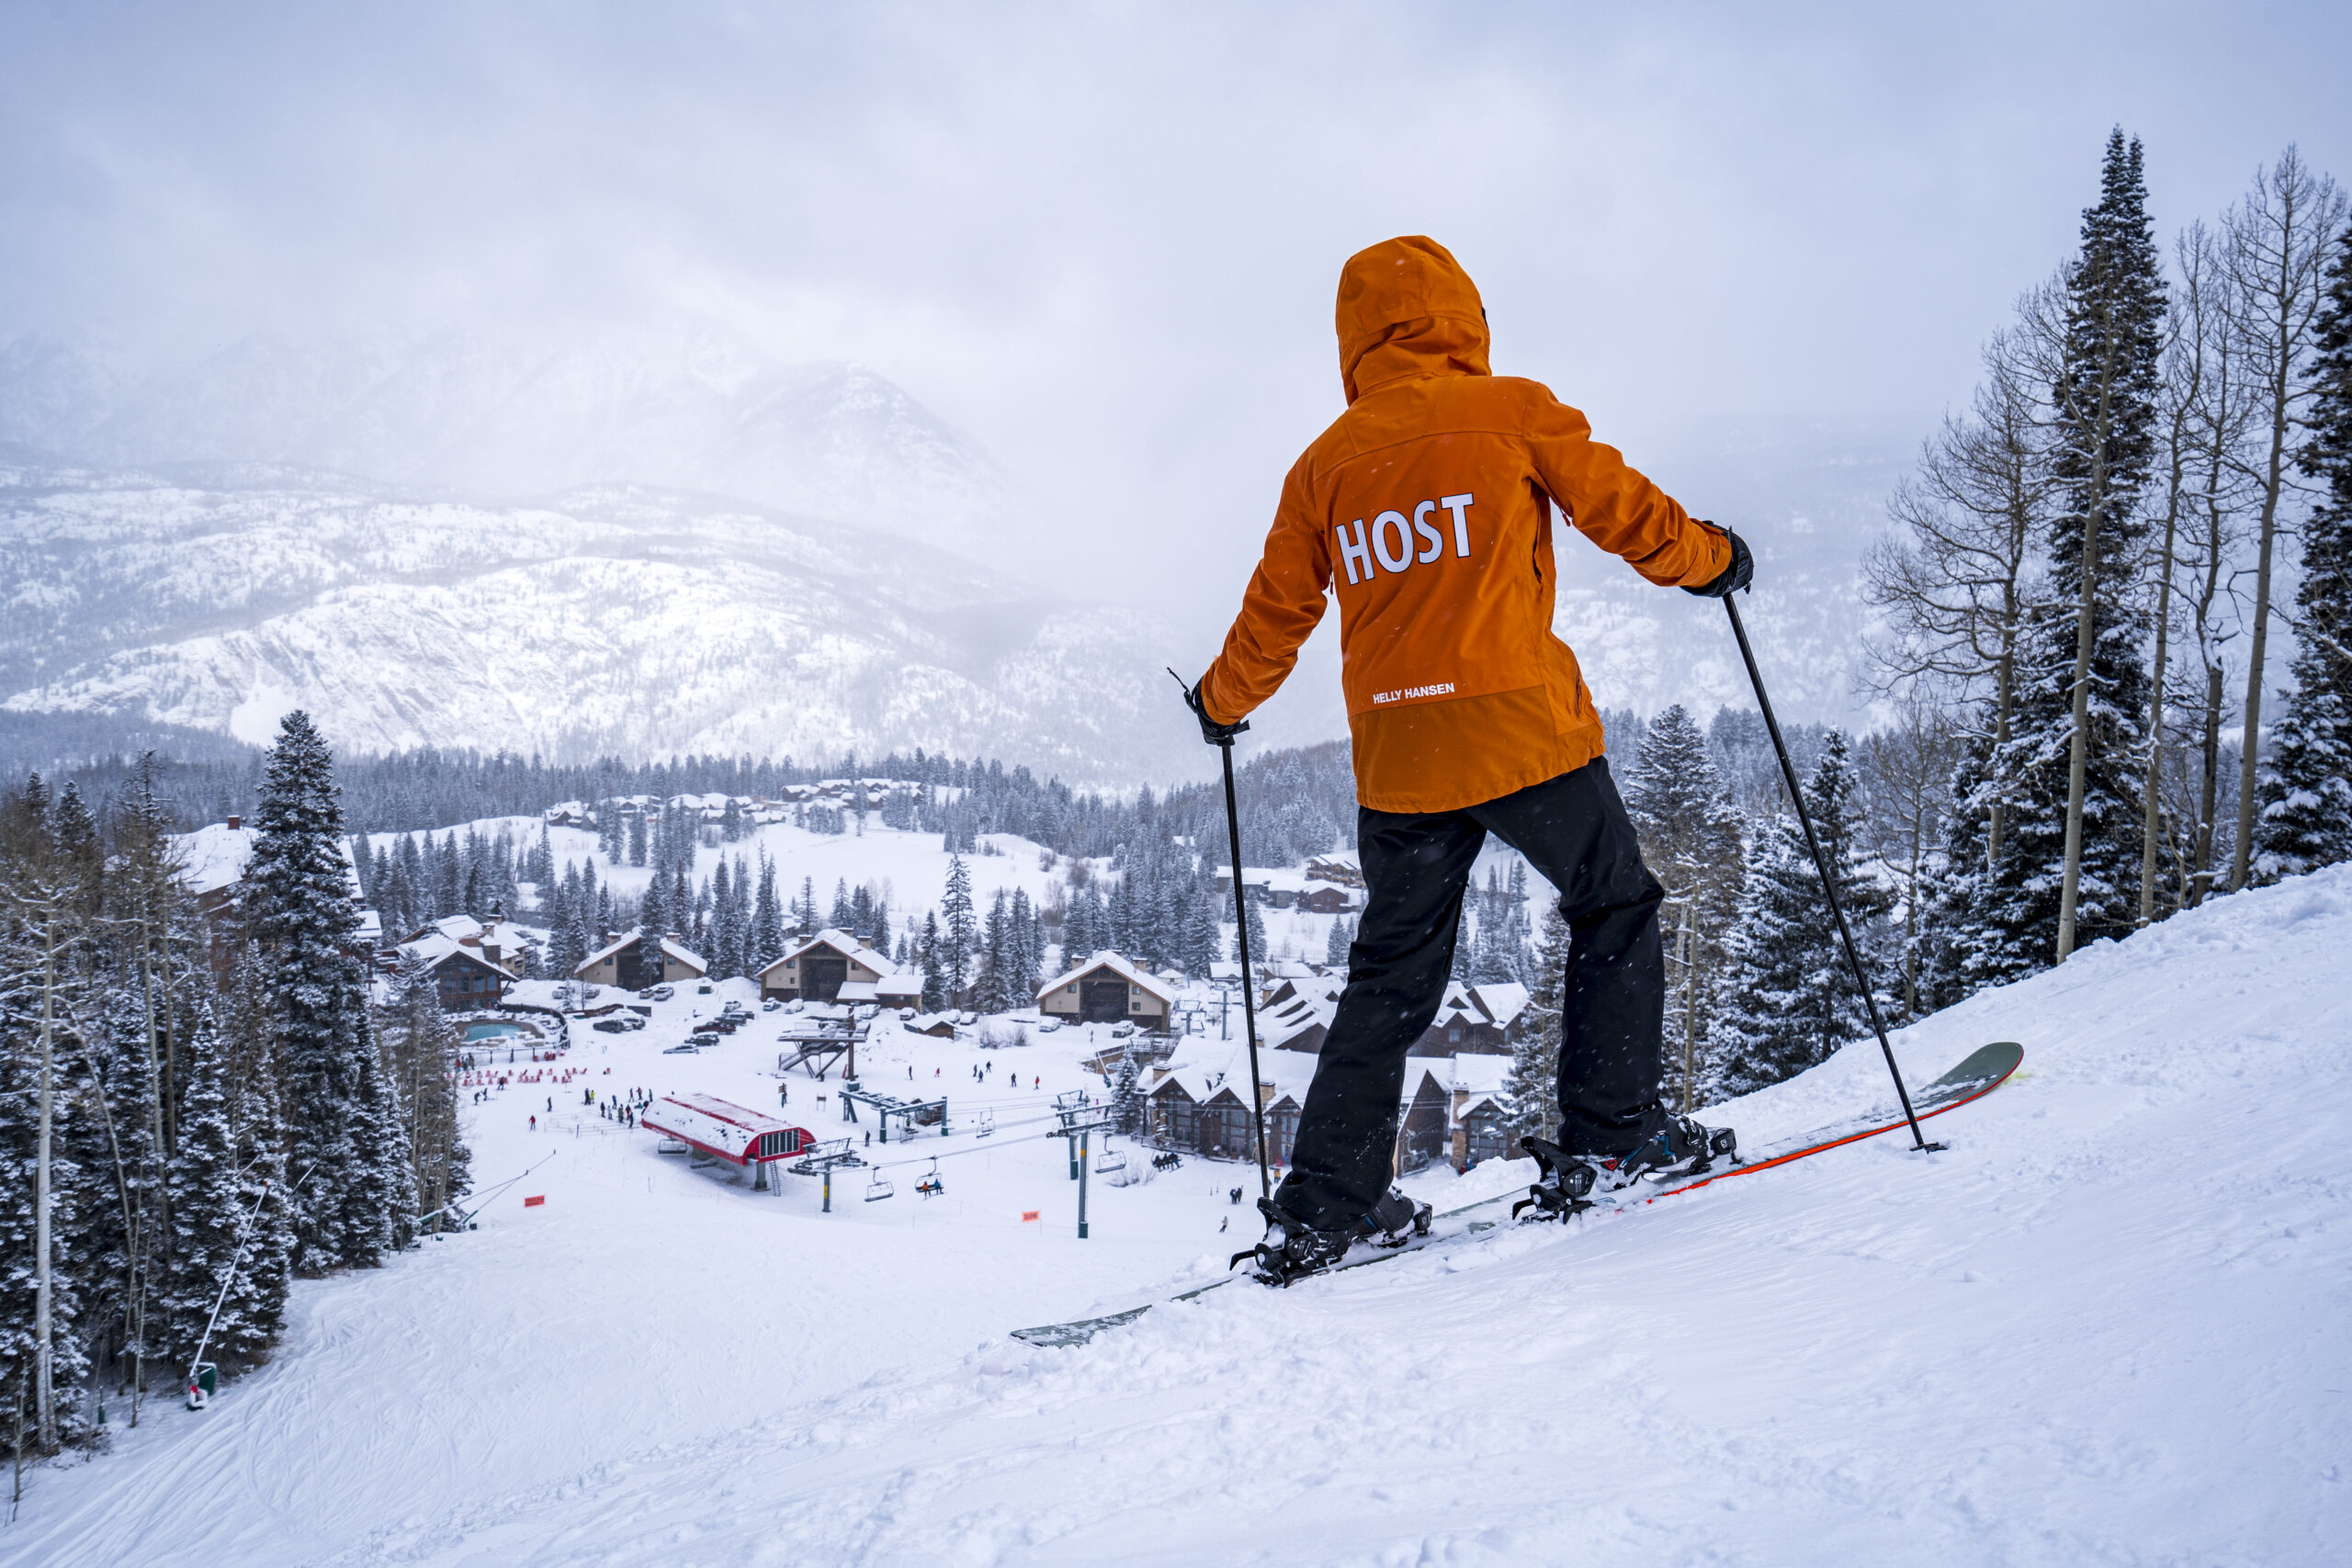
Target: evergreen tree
x=1531, y=1086
x=1336, y=941
x=1025, y=953
x=2306, y=795
x=935, y=983
x=1692, y=843
x=214, y=1196
x=990, y=991
x=1127, y=1097
x=1253, y=901
x=957, y=931
x=2081, y=655
x=767, y=919
x=342, y=1129
x=1203, y=936
x=1790, y=1000
x=1083, y=927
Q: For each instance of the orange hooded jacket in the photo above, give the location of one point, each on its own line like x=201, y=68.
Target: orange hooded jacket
x=1427, y=508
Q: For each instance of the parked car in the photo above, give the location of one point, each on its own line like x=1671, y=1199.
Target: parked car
x=685, y=1050
x=905, y=1014
x=702, y=1037
x=724, y=1024
x=663, y=993
x=1120, y=1030
x=703, y=990
x=616, y=1026
x=770, y=1005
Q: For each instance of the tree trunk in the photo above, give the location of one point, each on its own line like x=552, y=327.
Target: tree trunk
x=2150, y=823
x=2207, y=806
x=44, y=1394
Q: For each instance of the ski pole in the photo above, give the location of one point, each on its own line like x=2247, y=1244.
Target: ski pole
x=1829, y=884
x=1242, y=947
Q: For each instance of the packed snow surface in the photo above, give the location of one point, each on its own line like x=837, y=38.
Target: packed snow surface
x=2108, y=1326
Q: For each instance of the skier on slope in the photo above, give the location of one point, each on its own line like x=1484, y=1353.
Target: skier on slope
x=1426, y=509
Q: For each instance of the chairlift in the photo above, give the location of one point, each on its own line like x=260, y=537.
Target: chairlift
x=987, y=1126
x=878, y=1189
x=931, y=1186
x=1110, y=1160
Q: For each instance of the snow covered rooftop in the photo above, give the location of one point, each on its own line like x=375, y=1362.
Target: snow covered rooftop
x=214, y=857
x=841, y=942
x=1107, y=959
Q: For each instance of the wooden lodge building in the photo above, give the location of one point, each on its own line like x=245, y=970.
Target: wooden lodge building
x=621, y=962
x=1452, y=1109
x=834, y=966
x=1107, y=988
x=472, y=961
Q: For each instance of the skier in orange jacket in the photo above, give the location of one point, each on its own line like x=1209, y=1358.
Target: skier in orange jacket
x=1426, y=510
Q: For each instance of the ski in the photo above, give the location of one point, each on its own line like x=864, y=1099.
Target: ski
x=1974, y=1076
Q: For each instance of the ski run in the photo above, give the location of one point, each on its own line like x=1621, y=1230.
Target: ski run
x=2108, y=1326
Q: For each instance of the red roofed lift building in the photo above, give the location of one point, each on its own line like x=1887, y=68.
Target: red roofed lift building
x=721, y=1130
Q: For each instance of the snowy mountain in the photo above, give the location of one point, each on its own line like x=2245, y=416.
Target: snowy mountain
x=466, y=415
x=615, y=619
x=2105, y=1326
x=539, y=556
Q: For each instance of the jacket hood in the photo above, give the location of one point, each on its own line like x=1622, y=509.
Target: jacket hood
x=1408, y=309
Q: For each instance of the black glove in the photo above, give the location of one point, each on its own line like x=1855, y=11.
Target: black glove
x=1211, y=732
x=1735, y=576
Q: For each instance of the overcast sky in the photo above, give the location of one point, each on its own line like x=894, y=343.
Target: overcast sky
x=1104, y=240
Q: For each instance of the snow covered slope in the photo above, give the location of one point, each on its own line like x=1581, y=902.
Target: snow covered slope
x=2108, y=1326
x=614, y=619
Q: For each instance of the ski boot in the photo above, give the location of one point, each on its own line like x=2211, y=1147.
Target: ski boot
x=1292, y=1251
x=1681, y=1147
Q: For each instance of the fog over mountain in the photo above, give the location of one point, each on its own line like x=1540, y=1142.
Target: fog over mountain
x=652, y=543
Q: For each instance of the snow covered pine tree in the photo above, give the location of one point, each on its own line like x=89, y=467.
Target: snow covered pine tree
x=1787, y=994
x=345, y=1138
x=2069, y=870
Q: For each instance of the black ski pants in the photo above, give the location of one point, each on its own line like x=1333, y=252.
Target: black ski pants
x=1574, y=831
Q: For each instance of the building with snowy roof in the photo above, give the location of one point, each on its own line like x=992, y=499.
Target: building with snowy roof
x=1451, y=1108
x=213, y=862
x=834, y=966
x=622, y=961
x=1200, y=1102
x=1107, y=988
x=472, y=962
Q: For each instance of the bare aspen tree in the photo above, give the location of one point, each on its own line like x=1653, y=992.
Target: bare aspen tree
x=1954, y=583
x=1907, y=770
x=2273, y=246
x=2182, y=416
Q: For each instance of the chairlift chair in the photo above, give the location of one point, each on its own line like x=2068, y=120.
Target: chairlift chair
x=931, y=1186
x=878, y=1189
x=1110, y=1160
x=987, y=1126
